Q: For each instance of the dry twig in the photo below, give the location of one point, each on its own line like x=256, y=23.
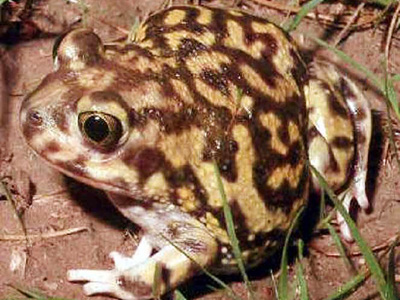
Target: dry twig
x=346, y=29
x=60, y=233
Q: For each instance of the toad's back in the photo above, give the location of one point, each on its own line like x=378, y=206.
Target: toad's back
x=196, y=86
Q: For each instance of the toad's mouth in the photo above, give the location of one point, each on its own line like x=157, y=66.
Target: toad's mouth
x=79, y=173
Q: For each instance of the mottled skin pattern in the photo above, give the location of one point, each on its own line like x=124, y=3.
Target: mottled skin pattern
x=148, y=120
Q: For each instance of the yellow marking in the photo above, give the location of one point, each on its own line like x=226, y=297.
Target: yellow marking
x=214, y=96
x=257, y=217
x=76, y=65
x=184, y=148
x=206, y=61
x=212, y=223
x=284, y=87
x=107, y=171
x=126, y=57
x=189, y=201
x=156, y=185
x=271, y=122
x=205, y=173
x=174, y=17
x=182, y=90
x=286, y=172
x=148, y=44
x=260, y=27
x=294, y=133
x=66, y=153
x=247, y=103
x=143, y=64
x=282, y=60
x=92, y=77
x=150, y=94
x=235, y=37
x=140, y=34
x=255, y=80
x=174, y=38
x=205, y=16
x=235, y=13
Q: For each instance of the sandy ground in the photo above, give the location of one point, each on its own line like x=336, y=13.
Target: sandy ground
x=52, y=204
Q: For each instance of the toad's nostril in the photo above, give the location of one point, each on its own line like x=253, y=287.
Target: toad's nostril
x=35, y=118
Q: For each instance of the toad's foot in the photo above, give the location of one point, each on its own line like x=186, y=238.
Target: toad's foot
x=144, y=276
x=355, y=191
x=339, y=135
x=109, y=281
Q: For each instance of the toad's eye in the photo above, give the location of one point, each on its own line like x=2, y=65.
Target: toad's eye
x=101, y=129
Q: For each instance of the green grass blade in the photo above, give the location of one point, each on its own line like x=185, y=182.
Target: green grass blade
x=302, y=283
x=381, y=2
x=322, y=205
x=231, y=232
x=366, y=251
x=32, y=294
x=348, y=288
x=386, y=87
x=339, y=245
x=305, y=9
x=157, y=281
x=228, y=290
x=179, y=296
x=396, y=77
x=391, y=136
x=283, y=278
x=391, y=270
x=391, y=96
x=370, y=75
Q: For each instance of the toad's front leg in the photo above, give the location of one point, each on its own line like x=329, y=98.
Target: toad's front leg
x=144, y=276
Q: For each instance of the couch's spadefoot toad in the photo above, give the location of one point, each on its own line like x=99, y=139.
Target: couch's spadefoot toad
x=148, y=120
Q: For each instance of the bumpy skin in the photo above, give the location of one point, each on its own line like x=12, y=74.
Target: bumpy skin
x=145, y=121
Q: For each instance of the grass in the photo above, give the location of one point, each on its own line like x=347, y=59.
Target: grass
x=31, y=294
x=231, y=232
x=384, y=288
x=301, y=280
x=305, y=9
x=283, y=279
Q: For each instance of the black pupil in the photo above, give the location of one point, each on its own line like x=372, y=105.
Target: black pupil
x=96, y=128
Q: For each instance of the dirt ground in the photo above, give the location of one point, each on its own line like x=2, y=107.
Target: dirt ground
x=76, y=227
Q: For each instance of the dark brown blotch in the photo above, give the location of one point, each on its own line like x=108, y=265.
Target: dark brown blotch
x=342, y=142
x=346, y=90
x=336, y=105
x=190, y=47
x=145, y=160
x=50, y=148
x=215, y=80
x=138, y=288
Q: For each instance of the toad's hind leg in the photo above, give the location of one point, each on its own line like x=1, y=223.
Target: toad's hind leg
x=185, y=246
x=339, y=135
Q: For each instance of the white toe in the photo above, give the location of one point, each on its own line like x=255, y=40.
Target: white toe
x=93, y=288
x=143, y=251
x=91, y=275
